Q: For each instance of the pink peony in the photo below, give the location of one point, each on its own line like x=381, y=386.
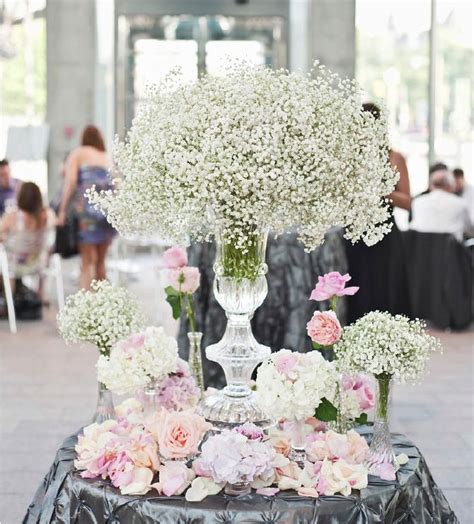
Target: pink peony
x=184, y=279
x=324, y=328
x=174, y=257
x=285, y=362
x=332, y=284
x=175, y=477
x=179, y=434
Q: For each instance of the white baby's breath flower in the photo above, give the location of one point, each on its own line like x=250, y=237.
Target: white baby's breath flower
x=254, y=148
x=381, y=343
x=101, y=316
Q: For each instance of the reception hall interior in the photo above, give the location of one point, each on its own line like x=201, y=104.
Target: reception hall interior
x=236, y=260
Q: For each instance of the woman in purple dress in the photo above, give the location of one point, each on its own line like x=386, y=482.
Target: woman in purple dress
x=88, y=166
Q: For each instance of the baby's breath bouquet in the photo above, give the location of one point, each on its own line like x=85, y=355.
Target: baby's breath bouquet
x=388, y=346
x=255, y=149
x=101, y=316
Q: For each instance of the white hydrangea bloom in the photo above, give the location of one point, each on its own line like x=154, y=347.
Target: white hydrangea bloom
x=101, y=316
x=131, y=367
x=381, y=343
x=299, y=392
x=254, y=148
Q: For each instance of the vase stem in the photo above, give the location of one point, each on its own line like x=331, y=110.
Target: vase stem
x=105, y=405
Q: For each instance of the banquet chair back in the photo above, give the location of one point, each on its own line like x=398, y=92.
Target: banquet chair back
x=27, y=253
x=440, y=279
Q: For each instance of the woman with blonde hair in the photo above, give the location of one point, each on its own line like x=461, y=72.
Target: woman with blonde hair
x=88, y=166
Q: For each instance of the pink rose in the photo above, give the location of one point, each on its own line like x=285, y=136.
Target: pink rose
x=332, y=284
x=324, y=328
x=179, y=434
x=184, y=279
x=285, y=362
x=175, y=477
x=174, y=257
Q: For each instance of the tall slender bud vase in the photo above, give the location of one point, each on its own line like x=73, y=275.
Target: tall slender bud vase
x=195, y=358
x=381, y=450
x=240, y=287
x=105, y=406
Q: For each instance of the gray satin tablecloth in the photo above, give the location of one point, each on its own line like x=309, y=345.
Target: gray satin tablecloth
x=64, y=497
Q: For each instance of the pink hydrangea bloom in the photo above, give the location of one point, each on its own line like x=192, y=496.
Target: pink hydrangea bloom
x=324, y=328
x=332, y=284
x=174, y=257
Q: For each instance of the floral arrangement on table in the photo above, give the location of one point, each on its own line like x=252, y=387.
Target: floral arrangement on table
x=101, y=316
x=255, y=148
x=387, y=346
x=182, y=282
x=126, y=451
x=139, y=360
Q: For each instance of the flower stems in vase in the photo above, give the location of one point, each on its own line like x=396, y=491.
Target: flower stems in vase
x=381, y=451
x=183, y=281
x=105, y=406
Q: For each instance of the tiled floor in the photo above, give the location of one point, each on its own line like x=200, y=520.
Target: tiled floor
x=47, y=391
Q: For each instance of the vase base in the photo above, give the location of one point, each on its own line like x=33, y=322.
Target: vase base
x=223, y=411
x=237, y=489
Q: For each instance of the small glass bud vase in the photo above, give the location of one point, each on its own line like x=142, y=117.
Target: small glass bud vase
x=105, y=405
x=296, y=431
x=150, y=393
x=381, y=451
x=239, y=488
x=195, y=358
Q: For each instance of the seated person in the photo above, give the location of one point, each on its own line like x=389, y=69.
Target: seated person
x=466, y=192
x=8, y=187
x=440, y=210
x=24, y=232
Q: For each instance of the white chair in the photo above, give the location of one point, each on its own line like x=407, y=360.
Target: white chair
x=25, y=254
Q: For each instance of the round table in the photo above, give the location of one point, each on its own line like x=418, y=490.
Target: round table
x=65, y=497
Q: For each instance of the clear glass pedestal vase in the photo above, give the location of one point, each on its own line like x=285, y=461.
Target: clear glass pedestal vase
x=381, y=450
x=240, y=287
x=105, y=405
x=195, y=358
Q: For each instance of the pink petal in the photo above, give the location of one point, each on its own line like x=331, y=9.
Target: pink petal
x=386, y=471
x=350, y=290
x=269, y=492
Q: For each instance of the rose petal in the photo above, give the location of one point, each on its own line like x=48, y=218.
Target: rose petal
x=402, y=459
x=308, y=492
x=386, y=471
x=269, y=492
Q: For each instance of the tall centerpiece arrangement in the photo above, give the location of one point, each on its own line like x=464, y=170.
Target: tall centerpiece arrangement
x=233, y=157
x=102, y=316
x=389, y=347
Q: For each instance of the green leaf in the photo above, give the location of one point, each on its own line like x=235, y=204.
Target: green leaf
x=361, y=420
x=174, y=300
x=326, y=412
x=317, y=346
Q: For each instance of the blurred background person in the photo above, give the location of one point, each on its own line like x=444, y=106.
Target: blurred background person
x=9, y=187
x=24, y=231
x=441, y=211
x=88, y=166
x=466, y=192
x=380, y=270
